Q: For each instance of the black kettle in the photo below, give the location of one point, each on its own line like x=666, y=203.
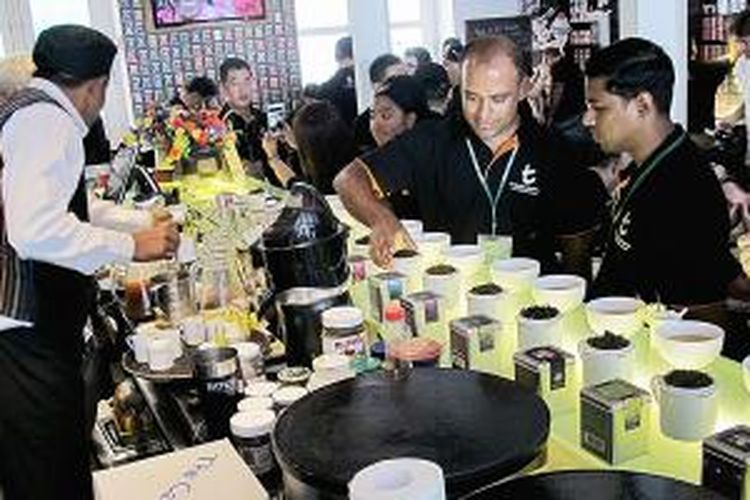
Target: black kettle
x=306, y=245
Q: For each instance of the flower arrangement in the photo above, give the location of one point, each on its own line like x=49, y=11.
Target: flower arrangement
x=149, y=129
x=191, y=134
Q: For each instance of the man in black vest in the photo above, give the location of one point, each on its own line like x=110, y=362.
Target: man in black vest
x=51, y=241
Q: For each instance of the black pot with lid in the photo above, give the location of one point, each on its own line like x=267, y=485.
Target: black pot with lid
x=306, y=245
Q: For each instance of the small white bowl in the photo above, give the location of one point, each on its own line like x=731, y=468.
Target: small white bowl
x=746, y=372
x=563, y=291
x=516, y=274
x=688, y=344
x=619, y=315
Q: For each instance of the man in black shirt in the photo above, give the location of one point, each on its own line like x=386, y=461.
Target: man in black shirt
x=340, y=89
x=486, y=171
x=670, y=235
x=248, y=122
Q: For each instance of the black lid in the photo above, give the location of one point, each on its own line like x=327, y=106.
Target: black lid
x=306, y=218
x=602, y=485
x=478, y=427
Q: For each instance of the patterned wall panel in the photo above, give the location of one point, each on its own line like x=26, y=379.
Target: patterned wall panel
x=158, y=61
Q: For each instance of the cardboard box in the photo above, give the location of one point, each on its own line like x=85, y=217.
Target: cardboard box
x=210, y=471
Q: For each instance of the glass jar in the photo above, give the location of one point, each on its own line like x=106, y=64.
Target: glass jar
x=251, y=436
x=344, y=331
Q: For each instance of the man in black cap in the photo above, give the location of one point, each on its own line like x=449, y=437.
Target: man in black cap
x=51, y=241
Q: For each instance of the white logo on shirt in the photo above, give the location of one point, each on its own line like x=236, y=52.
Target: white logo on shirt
x=528, y=181
x=623, y=228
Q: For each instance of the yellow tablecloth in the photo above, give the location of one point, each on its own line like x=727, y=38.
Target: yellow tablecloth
x=668, y=457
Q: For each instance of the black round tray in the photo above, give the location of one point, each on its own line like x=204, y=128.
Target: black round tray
x=602, y=485
x=479, y=428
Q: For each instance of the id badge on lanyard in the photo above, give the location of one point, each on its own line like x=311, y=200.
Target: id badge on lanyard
x=494, y=201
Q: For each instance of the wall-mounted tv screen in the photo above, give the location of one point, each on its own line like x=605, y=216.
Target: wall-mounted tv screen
x=174, y=13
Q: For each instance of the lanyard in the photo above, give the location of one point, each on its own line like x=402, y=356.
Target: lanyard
x=646, y=170
x=493, y=200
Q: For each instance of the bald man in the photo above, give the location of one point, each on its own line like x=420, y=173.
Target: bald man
x=486, y=172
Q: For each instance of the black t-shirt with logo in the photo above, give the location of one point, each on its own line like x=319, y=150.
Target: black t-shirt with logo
x=544, y=195
x=671, y=239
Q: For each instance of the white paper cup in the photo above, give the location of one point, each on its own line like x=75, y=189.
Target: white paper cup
x=468, y=260
x=516, y=274
x=539, y=332
x=175, y=340
x=489, y=305
x=160, y=354
x=446, y=285
x=685, y=414
x=138, y=343
x=601, y=365
x=563, y=291
x=495, y=247
x=431, y=246
x=411, y=267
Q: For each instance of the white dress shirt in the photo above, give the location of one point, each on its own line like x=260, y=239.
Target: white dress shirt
x=42, y=150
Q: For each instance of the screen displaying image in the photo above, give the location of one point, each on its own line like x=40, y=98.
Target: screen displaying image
x=169, y=13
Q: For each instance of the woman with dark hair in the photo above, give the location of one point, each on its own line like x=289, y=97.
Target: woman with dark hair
x=324, y=142
x=399, y=104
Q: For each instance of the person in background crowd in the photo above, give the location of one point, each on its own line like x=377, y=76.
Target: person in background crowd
x=437, y=87
x=316, y=126
x=741, y=30
x=415, y=57
x=399, y=105
x=670, y=237
x=567, y=100
x=487, y=171
x=200, y=93
x=239, y=113
x=52, y=239
x=15, y=73
x=381, y=68
x=341, y=88
x=452, y=52
x=732, y=176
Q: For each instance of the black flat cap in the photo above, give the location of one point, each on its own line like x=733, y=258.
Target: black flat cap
x=74, y=52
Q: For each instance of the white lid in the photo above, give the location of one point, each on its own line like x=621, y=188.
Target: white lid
x=262, y=388
x=288, y=395
x=250, y=424
x=251, y=404
x=327, y=362
x=247, y=350
x=342, y=317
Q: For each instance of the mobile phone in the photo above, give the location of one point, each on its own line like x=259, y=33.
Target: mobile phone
x=275, y=112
